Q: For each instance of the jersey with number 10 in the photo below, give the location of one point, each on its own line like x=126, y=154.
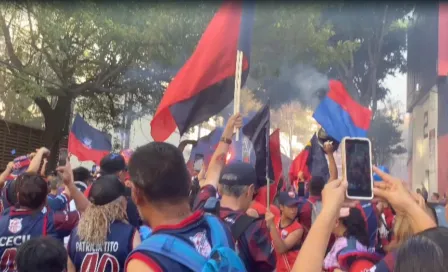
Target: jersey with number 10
x=107, y=257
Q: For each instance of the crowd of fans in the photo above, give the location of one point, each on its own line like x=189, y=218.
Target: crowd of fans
x=148, y=215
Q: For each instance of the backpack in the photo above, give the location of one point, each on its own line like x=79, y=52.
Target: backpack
x=316, y=208
x=222, y=257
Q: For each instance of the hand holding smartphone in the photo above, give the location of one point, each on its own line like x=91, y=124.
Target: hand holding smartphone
x=198, y=162
x=63, y=154
x=357, y=168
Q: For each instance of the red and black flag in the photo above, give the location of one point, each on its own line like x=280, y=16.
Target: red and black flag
x=276, y=162
x=87, y=143
x=311, y=162
x=257, y=130
x=205, y=84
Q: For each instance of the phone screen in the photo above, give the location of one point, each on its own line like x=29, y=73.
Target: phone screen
x=301, y=189
x=359, y=168
x=198, y=162
x=63, y=154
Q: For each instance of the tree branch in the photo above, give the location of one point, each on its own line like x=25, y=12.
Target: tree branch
x=9, y=47
x=43, y=105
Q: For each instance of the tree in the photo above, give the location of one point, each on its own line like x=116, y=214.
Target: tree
x=57, y=53
x=386, y=134
x=294, y=120
x=17, y=108
x=376, y=43
x=285, y=40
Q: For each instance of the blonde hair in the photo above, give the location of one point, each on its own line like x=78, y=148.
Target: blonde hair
x=403, y=226
x=94, y=225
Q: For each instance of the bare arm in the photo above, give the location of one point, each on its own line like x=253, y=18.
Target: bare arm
x=67, y=176
x=37, y=159
x=333, y=169
x=6, y=173
x=312, y=253
x=70, y=265
x=283, y=246
x=137, y=266
x=219, y=157
x=44, y=168
x=137, y=240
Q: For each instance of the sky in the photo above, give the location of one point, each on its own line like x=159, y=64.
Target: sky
x=397, y=87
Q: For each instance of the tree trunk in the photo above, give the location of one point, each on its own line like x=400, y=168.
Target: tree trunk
x=56, y=126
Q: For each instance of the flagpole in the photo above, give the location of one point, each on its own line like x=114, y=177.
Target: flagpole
x=237, y=94
x=268, y=155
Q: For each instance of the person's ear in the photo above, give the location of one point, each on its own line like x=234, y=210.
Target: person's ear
x=251, y=190
x=137, y=195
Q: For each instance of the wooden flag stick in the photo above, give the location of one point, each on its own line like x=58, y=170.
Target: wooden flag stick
x=237, y=94
x=268, y=188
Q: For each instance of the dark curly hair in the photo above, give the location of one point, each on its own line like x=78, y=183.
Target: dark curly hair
x=356, y=226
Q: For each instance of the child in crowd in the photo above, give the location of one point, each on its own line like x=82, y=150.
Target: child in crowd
x=286, y=232
x=350, y=231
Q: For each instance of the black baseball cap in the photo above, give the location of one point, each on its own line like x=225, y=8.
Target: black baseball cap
x=288, y=198
x=238, y=173
x=112, y=163
x=105, y=189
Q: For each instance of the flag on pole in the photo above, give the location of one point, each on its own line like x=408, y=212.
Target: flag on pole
x=257, y=130
x=205, y=84
x=276, y=162
x=87, y=143
x=311, y=161
x=276, y=155
x=340, y=115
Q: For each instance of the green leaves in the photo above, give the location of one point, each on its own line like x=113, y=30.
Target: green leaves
x=386, y=134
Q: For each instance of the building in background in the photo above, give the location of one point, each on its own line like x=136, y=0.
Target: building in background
x=427, y=97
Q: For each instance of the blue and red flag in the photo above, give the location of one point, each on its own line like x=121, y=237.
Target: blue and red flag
x=340, y=115
x=205, y=84
x=88, y=143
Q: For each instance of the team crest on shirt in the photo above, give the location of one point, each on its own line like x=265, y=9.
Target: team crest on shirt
x=87, y=142
x=201, y=243
x=284, y=233
x=15, y=225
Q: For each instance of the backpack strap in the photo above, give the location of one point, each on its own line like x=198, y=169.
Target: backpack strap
x=351, y=246
x=217, y=232
x=240, y=225
x=175, y=249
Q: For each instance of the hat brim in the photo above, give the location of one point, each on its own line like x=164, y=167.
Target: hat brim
x=292, y=202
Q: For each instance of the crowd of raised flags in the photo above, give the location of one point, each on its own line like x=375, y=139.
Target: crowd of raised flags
x=142, y=211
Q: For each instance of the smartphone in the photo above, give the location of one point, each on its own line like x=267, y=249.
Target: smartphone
x=357, y=167
x=198, y=162
x=93, y=169
x=301, y=189
x=63, y=154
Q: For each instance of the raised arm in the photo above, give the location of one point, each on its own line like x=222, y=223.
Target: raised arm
x=329, y=150
x=37, y=159
x=67, y=176
x=219, y=157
